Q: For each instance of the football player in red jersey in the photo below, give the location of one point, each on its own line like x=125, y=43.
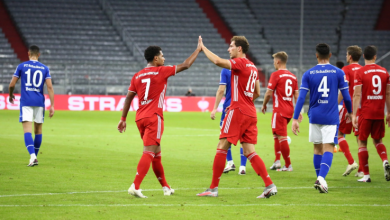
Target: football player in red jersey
x=150, y=84
x=283, y=85
x=353, y=55
x=372, y=92
x=240, y=123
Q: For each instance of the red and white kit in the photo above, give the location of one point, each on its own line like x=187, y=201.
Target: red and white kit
x=374, y=80
x=150, y=84
x=346, y=124
x=284, y=84
x=240, y=123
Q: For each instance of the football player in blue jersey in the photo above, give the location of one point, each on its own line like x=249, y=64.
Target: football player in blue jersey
x=323, y=81
x=33, y=75
x=224, y=84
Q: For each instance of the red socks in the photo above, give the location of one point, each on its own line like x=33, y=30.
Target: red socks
x=159, y=170
x=285, y=151
x=363, y=160
x=381, y=149
x=259, y=167
x=218, y=166
x=345, y=148
x=143, y=167
x=277, y=148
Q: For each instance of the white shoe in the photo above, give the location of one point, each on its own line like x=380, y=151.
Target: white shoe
x=386, y=168
x=209, y=192
x=242, y=170
x=284, y=168
x=359, y=174
x=32, y=160
x=229, y=167
x=276, y=165
x=134, y=192
x=365, y=179
x=350, y=168
x=168, y=191
x=322, y=185
x=268, y=192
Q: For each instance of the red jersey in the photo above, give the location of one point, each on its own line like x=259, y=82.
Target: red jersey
x=151, y=85
x=243, y=81
x=374, y=80
x=350, y=71
x=283, y=83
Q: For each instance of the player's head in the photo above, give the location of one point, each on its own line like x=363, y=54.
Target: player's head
x=340, y=64
x=153, y=54
x=353, y=54
x=370, y=53
x=33, y=52
x=323, y=52
x=280, y=59
x=238, y=45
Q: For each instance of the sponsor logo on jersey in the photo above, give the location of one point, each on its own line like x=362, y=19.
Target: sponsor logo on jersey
x=146, y=102
x=33, y=89
x=322, y=101
x=146, y=74
x=234, y=62
x=32, y=66
x=375, y=97
x=322, y=71
x=287, y=98
x=249, y=94
x=250, y=65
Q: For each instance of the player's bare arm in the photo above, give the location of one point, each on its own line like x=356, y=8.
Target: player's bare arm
x=388, y=105
x=256, y=93
x=11, y=88
x=126, y=107
x=191, y=59
x=215, y=59
x=218, y=97
x=355, y=103
x=50, y=91
x=267, y=97
x=296, y=95
x=295, y=126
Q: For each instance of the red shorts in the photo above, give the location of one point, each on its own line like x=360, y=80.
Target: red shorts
x=151, y=130
x=279, y=124
x=239, y=127
x=374, y=127
x=345, y=124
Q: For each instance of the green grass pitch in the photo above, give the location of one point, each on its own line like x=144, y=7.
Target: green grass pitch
x=86, y=166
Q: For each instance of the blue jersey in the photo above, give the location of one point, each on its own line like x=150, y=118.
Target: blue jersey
x=32, y=75
x=324, y=81
x=225, y=80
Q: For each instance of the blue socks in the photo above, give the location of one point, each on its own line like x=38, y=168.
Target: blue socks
x=28, y=140
x=326, y=162
x=317, y=163
x=37, y=143
x=229, y=154
x=243, y=158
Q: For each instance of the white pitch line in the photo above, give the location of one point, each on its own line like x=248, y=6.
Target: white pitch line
x=185, y=189
x=196, y=205
x=94, y=136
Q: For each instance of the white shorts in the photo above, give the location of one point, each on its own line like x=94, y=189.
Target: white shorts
x=323, y=134
x=32, y=113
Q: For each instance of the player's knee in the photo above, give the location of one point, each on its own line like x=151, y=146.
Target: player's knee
x=376, y=141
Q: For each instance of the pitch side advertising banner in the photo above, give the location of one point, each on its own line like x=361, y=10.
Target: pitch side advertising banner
x=115, y=103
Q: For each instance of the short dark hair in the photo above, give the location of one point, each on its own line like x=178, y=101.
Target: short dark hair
x=241, y=41
x=355, y=52
x=340, y=64
x=323, y=51
x=151, y=52
x=370, y=52
x=34, y=50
